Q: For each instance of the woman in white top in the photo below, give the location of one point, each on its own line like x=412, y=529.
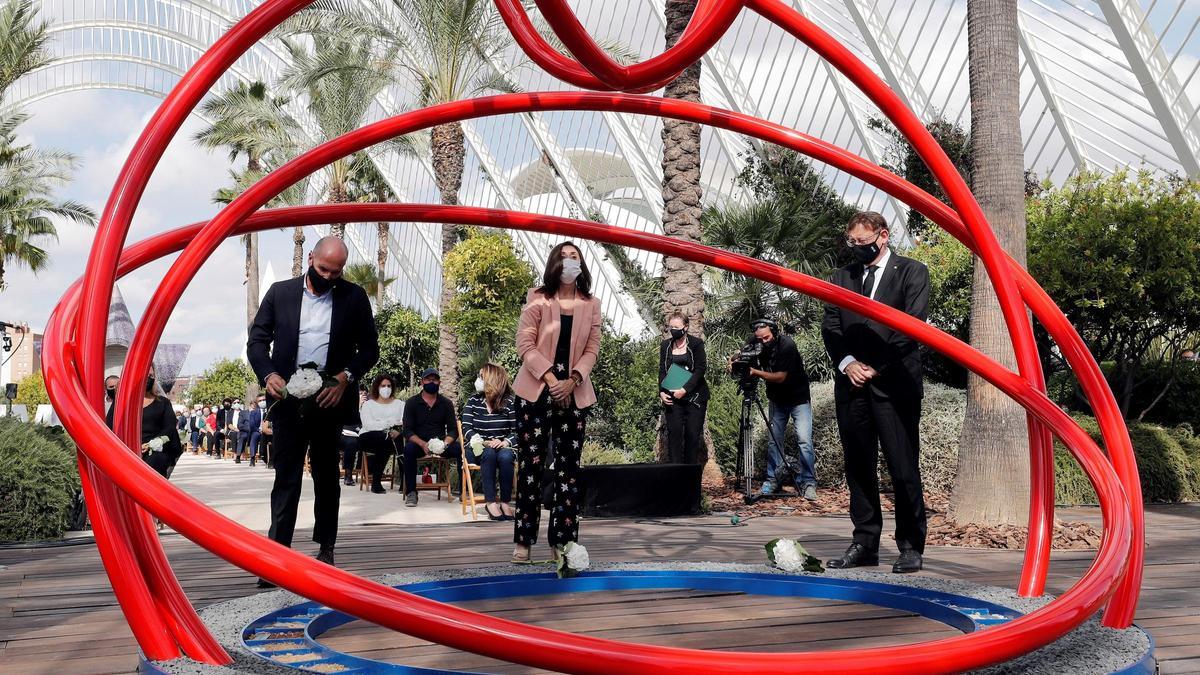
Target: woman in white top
x=382, y=417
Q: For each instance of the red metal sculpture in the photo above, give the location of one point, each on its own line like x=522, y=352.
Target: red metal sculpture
x=118, y=486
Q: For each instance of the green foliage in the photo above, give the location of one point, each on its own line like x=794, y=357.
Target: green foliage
x=1119, y=255
x=367, y=275
x=38, y=483
x=1168, y=464
x=31, y=391
x=951, y=271
x=226, y=378
x=797, y=222
x=724, y=408
x=902, y=160
x=492, y=282
x=626, y=413
x=407, y=344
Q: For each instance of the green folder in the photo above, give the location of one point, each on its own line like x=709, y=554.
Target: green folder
x=677, y=376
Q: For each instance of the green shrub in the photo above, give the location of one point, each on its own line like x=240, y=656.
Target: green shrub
x=1168, y=464
x=941, y=423
x=594, y=453
x=37, y=482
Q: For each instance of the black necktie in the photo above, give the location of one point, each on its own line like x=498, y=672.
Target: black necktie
x=869, y=282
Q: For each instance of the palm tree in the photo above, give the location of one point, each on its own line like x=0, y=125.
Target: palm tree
x=339, y=77
x=248, y=121
x=22, y=41
x=368, y=184
x=369, y=277
x=452, y=49
x=28, y=178
x=993, y=457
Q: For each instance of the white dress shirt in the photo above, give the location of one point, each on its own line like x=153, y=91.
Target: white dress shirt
x=880, y=269
x=316, y=314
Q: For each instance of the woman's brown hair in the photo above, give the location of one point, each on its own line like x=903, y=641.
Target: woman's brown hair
x=495, y=385
x=374, y=395
x=552, y=279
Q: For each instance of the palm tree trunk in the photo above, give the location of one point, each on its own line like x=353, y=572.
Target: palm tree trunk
x=383, y=230
x=297, y=251
x=683, y=287
x=337, y=195
x=448, y=155
x=992, y=486
x=251, y=240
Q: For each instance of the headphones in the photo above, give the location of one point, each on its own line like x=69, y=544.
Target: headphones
x=765, y=323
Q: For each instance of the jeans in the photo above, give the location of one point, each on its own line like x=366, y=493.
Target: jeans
x=804, y=469
x=413, y=452
x=489, y=460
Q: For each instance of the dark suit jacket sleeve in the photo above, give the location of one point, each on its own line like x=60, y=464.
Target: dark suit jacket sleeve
x=262, y=332
x=172, y=447
x=368, y=338
x=831, y=326
x=916, y=301
x=700, y=367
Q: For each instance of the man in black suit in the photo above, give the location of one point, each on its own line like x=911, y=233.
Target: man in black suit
x=224, y=419
x=323, y=319
x=878, y=393
x=248, y=430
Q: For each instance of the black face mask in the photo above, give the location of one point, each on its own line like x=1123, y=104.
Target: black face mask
x=431, y=387
x=677, y=333
x=320, y=284
x=865, y=253
x=149, y=384
x=228, y=406
x=112, y=393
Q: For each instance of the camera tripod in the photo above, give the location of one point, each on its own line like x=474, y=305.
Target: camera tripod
x=745, y=464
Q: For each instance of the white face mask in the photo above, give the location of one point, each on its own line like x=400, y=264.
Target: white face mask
x=571, y=269
x=385, y=392
x=262, y=404
x=479, y=385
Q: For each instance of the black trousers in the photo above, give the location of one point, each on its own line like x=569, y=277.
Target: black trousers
x=379, y=448
x=349, y=447
x=868, y=423
x=537, y=423
x=685, y=431
x=314, y=435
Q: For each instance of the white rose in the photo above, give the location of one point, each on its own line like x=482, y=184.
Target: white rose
x=577, y=556
x=437, y=446
x=787, y=556
x=477, y=443
x=156, y=444
x=304, y=383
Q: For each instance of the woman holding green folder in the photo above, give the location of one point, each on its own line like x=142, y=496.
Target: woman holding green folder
x=682, y=364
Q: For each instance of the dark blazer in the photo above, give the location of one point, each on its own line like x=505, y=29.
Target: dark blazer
x=250, y=420
x=904, y=286
x=696, y=387
x=275, y=335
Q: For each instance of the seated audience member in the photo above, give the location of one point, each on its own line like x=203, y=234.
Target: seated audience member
x=491, y=416
x=382, y=416
x=428, y=418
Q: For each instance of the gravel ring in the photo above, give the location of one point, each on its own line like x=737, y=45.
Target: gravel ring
x=1078, y=652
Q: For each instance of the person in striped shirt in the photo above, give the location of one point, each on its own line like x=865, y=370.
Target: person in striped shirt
x=491, y=415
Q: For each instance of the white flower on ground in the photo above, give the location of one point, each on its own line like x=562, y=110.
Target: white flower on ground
x=304, y=383
x=577, y=556
x=437, y=446
x=476, y=444
x=787, y=556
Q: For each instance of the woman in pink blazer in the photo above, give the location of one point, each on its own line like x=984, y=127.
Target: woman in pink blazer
x=558, y=340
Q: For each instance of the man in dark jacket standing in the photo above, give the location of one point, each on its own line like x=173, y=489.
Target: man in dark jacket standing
x=323, y=319
x=878, y=393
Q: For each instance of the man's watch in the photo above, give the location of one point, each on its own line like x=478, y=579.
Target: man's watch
x=350, y=379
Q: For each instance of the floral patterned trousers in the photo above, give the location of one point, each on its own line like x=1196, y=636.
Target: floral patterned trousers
x=539, y=422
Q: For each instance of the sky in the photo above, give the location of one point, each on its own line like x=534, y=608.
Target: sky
x=99, y=127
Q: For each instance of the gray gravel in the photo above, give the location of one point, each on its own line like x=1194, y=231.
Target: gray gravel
x=1089, y=649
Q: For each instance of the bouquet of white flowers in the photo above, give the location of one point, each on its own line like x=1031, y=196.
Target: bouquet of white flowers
x=789, y=556
x=437, y=446
x=572, y=560
x=306, y=381
x=156, y=444
x=477, y=444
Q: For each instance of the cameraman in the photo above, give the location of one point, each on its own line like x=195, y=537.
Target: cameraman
x=787, y=392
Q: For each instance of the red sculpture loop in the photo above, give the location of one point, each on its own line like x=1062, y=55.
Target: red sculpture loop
x=159, y=613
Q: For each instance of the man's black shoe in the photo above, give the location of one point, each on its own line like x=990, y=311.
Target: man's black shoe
x=326, y=555
x=348, y=480
x=856, y=555
x=908, y=562
x=263, y=583
x=378, y=489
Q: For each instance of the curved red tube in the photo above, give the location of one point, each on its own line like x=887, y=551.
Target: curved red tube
x=550, y=649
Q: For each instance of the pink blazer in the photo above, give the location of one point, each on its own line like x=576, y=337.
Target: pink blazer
x=537, y=339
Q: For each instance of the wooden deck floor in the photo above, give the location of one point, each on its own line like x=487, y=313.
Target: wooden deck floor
x=58, y=615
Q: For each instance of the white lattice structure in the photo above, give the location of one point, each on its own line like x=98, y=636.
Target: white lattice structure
x=1105, y=84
